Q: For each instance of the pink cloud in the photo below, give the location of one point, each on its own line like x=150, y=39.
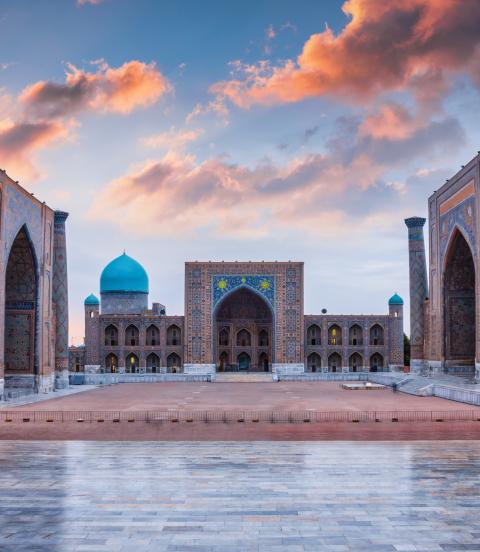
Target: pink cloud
x=18, y=141
x=385, y=46
x=120, y=90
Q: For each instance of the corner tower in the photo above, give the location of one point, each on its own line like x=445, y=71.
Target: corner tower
x=418, y=289
x=395, y=333
x=60, y=299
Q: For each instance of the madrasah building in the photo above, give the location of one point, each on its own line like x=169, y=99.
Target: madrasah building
x=239, y=316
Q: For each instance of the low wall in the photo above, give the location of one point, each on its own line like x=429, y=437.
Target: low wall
x=456, y=394
x=107, y=379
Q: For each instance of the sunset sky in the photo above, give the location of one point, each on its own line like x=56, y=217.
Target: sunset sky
x=210, y=130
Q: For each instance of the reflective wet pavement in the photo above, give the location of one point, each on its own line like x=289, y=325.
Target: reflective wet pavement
x=265, y=496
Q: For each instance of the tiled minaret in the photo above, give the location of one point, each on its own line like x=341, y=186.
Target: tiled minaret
x=60, y=299
x=418, y=289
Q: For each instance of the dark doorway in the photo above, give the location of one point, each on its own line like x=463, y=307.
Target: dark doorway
x=459, y=303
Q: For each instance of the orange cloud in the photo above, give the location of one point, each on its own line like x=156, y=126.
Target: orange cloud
x=119, y=90
x=172, y=139
x=385, y=46
x=18, y=141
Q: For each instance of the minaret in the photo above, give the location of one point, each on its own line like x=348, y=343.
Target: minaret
x=60, y=298
x=418, y=290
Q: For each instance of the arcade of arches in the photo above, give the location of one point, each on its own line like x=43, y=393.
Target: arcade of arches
x=244, y=333
x=20, y=307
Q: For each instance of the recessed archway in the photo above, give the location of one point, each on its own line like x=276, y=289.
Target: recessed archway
x=459, y=303
x=21, y=298
x=246, y=318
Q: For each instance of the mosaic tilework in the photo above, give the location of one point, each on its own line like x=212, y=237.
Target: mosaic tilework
x=262, y=284
x=289, y=497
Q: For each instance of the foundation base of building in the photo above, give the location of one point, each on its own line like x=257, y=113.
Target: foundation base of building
x=61, y=380
x=46, y=384
x=199, y=369
x=92, y=368
x=477, y=372
x=417, y=365
x=2, y=387
x=293, y=368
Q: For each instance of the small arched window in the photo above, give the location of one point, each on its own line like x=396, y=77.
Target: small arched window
x=334, y=335
x=111, y=336
x=174, y=336
x=244, y=338
x=132, y=336
x=313, y=335
x=263, y=338
x=153, y=336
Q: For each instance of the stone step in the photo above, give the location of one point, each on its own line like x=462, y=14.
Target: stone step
x=245, y=377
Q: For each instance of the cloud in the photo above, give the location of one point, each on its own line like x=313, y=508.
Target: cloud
x=385, y=46
x=347, y=184
x=82, y=2
x=18, y=141
x=120, y=90
x=172, y=139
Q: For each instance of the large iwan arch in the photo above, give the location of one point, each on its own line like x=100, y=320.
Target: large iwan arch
x=246, y=317
x=459, y=303
x=21, y=312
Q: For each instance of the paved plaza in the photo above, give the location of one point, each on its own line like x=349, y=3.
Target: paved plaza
x=323, y=396
x=225, y=497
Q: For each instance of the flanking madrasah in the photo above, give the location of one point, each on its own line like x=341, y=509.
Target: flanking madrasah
x=239, y=317
x=444, y=300
x=33, y=294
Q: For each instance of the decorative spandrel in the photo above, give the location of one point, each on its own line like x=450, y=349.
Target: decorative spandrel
x=262, y=284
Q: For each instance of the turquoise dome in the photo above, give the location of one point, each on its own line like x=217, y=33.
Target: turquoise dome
x=92, y=300
x=395, y=300
x=124, y=275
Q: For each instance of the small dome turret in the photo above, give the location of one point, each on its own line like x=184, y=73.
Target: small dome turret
x=395, y=299
x=92, y=300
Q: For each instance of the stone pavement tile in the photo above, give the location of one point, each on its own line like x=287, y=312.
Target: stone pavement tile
x=222, y=497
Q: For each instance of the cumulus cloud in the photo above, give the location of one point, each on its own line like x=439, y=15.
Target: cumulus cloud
x=172, y=139
x=120, y=90
x=349, y=181
x=385, y=46
x=18, y=141
x=82, y=2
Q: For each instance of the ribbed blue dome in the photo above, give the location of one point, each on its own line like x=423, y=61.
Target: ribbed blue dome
x=124, y=274
x=395, y=300
x=92, y=300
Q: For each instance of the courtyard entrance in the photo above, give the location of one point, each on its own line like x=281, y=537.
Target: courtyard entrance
x=459, y=304
x=243, y=333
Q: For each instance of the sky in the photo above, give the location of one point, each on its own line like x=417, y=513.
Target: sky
x=255, y=130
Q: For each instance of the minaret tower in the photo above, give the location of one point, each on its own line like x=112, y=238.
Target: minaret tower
x=418, y=290
x=60, y=299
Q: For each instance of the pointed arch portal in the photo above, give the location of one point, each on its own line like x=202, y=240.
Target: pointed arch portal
x=459, y=303
x=247, y=318
x=21, y=298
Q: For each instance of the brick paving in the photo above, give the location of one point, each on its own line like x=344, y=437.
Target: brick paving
x=229, y=497
x=324, y=396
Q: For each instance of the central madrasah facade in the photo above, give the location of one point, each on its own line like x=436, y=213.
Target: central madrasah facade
x=239, y=316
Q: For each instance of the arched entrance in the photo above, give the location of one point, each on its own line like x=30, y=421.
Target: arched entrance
x=21, y=296
x=243, y=327
x=244, y=362
x=459, y=304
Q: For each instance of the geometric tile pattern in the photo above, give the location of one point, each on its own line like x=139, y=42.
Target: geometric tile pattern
x=60, y=290
x=263, y=496
x=264, y=285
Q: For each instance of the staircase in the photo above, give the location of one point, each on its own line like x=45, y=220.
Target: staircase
x=244, y=377
x=415, y=386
